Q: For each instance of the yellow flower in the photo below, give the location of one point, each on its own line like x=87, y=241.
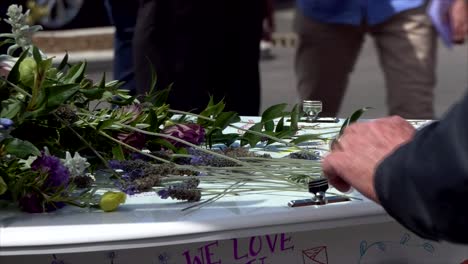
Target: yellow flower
x=110, y=201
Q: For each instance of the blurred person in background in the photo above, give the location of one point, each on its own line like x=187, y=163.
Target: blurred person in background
x=266, y=44
x=419, y=177
x=331, y=34
x=122, y=15
x=203, y=48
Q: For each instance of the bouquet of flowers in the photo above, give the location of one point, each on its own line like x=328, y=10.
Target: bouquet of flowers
x=65, y=139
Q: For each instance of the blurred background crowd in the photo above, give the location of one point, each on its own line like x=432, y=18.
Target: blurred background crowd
x=255, y=53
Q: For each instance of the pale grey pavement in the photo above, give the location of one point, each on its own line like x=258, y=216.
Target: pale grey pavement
x=366, y=87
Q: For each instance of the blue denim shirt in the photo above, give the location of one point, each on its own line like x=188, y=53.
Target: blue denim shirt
x=354, y=12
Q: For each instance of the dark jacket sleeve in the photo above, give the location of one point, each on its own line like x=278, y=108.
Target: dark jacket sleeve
x=424, y=184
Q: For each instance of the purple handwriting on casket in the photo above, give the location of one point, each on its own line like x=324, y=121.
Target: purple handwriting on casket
x=56, y=260
x=205, y=256
x=254, y=250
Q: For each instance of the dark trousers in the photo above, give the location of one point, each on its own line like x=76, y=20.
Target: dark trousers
x=122, y=14
x=203, y=48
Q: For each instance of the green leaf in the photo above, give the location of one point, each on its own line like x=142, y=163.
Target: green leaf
x=93, y=93
x=59, y=94
x=102, y=83
x=160, y=97
x=3, y=186
x=251, y=138
x=226, y=139
x=280, y=125
x=105, y=124
x=353, y=118
x=63, y=63
x=226, y=118
x=14, y=75
x=295, y=116
x=76, y=73
x=37, y=55
x=10, y=108
x=45, y=65
x=183, y=151
x=154, y=77
x=121, y=102
x=153, y=120
x=20, y=148
x=281, y=135
x=212, y=109
x=269, y=126
x=117, y=153
x=273, y=112
x=305, y=138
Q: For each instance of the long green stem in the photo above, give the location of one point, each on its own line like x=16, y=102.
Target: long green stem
x=17, y=88
x=217, y=197
x=198, y=148
x=133, y=148
x=83, y=140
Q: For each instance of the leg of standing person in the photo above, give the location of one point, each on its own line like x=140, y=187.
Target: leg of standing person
x=153, y=45
x=218, y=50
x=123, y=16
x=241, y=55
x=204, y=48
x=407, y=51
x=325, y=57
x=170, y=38
x=192, y=62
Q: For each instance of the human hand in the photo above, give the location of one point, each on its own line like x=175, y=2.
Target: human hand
x=458, y=15
x=359, y=151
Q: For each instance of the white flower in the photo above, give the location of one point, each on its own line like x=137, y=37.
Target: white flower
x=76, y=164
x=21, y=32
x=27, y=162
x=90, y=176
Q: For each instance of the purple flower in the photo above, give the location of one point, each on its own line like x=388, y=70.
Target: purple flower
x=32, y=202
x=191, y=133
x=133, y=175
x=163, y=193
x=116, y=165
x=197, y=161
x=126, y=187
x=5, y=123
x=130, y=189
x=134, y=139
x=58, y=174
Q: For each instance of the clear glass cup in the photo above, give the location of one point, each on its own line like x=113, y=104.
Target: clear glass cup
x=311, y=109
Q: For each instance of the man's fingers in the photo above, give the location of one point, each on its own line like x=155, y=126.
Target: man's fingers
x=331, y=167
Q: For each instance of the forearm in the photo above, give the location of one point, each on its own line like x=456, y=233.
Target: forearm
x=424, y=184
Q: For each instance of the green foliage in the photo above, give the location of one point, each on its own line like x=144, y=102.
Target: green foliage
x=20, y=148
x=3, y=186
x=353, y=118
x=267, y=131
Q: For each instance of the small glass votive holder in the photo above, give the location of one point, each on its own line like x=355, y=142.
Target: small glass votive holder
x=311, y=109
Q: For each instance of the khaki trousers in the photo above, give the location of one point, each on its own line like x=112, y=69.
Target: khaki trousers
x=406, y=46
